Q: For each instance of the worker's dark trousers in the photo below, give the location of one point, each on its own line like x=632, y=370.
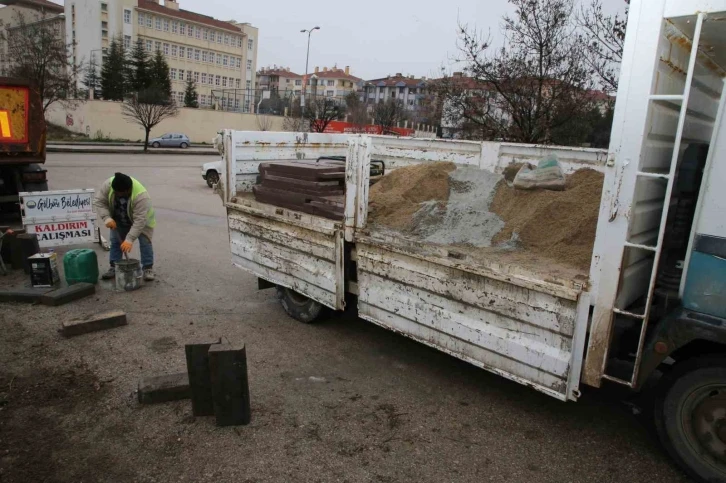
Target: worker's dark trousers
x=119, y=235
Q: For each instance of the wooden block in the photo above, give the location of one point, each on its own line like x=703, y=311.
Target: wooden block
x=169, y=387
x=230, y=386
x=200, y=382
x=94, y=323
x=68, y=294
x=27, y=295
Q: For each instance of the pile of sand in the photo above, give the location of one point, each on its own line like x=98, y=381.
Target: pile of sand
x=441, y=204
x=557, y=224
x=399, y=194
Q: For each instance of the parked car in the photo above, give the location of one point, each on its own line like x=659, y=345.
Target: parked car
x=211, y=172
x=170, y=140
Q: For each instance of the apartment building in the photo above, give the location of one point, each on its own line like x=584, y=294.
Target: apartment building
x=333, y=82
x=220, y=56
x=278, y=79
x=408, y=89
x=32, y=11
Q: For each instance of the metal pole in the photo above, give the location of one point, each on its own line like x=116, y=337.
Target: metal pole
x=307, y=58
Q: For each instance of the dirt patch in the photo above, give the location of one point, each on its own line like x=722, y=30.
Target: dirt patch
x=399, y=194
x=556, y=224
x=511, y=171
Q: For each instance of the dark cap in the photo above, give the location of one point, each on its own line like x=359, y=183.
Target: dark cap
x=122, y=182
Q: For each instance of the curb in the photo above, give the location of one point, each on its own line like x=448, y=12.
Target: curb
x=92, y=143
x=181, y=152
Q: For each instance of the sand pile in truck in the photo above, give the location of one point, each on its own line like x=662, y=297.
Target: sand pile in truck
x=439, y=203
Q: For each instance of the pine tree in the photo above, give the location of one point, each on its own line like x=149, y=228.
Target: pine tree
x=139, y=66
x=190, y=94
x=159, y=75
x=92, y=78
x=113, y=72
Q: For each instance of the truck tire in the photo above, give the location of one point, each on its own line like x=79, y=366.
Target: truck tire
x=298, y=306
x=690, y=417
x=212, y=178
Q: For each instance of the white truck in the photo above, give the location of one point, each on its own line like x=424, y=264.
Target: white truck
x=653, y=300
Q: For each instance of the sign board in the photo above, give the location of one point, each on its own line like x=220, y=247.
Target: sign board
x=55, y=234
x=60, y=217
x=47, y=206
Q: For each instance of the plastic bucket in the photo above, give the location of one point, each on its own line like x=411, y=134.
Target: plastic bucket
x=128, y=275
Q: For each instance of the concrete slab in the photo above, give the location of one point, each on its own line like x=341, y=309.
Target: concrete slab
x=68, y=294
x=25, y=294
x=94, y=323
x=159, y=389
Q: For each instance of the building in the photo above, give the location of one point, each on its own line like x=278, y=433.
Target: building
x=32, y=11
x=333, y=82
x=220, y=56
x=278, y=79
x=407, y=89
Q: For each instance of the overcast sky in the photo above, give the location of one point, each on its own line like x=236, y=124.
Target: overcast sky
x=374, y=37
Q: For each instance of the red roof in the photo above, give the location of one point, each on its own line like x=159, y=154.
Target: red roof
x=396, y=81
x=278, y=72
x=187, y=15
x=35, y=4
x=335, y=74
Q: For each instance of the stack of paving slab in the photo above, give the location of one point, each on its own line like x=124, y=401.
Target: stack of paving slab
x=314, y=187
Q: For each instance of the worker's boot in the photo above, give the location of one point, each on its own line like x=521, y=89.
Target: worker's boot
x=149, y=275
x=111, y=274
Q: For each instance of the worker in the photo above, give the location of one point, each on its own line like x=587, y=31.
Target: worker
x=124, y=205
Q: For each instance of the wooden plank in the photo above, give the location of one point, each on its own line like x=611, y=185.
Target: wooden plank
x=492, y=332
x=230, y=387
x=200, y=383
x=538, y=309
x=296, y=218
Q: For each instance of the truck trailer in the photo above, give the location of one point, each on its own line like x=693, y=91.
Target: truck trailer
x=653, y=301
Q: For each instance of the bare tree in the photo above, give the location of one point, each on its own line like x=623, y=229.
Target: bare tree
x=538, y=81
x=294, y=120
x=466, y=107
x=39, y=53
x=264, y=122
x=148, y=108
x=389, y=113
x=604, y=36
x=357, y=112
x=321, y=111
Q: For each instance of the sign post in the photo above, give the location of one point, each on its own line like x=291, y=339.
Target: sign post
x=60, y=217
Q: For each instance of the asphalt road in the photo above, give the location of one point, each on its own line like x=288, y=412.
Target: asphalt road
x=341, y=400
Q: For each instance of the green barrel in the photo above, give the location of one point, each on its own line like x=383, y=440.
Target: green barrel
x=81, y=266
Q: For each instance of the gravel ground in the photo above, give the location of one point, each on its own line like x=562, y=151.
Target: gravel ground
x=342, y=400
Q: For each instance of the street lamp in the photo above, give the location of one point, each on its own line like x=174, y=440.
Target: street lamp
x=307, y=57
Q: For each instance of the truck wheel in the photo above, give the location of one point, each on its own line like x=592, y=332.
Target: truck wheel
x=690, y=416
x=298, y=306
x=212, y=178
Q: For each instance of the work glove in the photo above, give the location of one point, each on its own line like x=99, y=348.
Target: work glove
x=111, y=224
x=126, y=246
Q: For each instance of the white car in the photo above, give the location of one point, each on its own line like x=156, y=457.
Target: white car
x=211, y=172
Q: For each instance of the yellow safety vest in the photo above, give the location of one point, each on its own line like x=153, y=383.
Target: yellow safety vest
x=136, y=189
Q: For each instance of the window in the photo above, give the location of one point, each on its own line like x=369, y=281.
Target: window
x=205, y=34
x=238, y=83
x=181, y=74
x=172, y=74
x=298, y=82
x=196, y=54
x=239, y=42
x=174, y=27
x=239, y=63
x=141, y=19
x=211, y=57
x=157, y=44
x=224, y=82
x=331, y=83
x=174, y=50
x=219, y=59
x=224, y=102
x=410, y=102
x=189, y=75
x=219, y=37
x=196, y=77
x=204, y=78
x=127, y=42
x=166, y=25
x=190, y=52
x=203, y=100
x=181, y=52
x=205, y=56
x=127, y=16
x=149, y=21
x=104, y=25
x=157, y=23
x=182, y=28
x=329, y=93
x=412, y=90
x=401, y=89
x=217, y=80
x=236, y=103
x=249, y=64
x=190, y=30
x=149, y=45
x=248, y=84
x=166, y=48
x=225, y=60
x=104, y=7
x=226, y=39
x=198, y=33
x=180, y=97
x=250, y=44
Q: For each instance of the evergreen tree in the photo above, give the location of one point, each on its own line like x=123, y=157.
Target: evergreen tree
x=92, y=78
x=190, y=95
x=113, y=72
x=139, y=66
x=159, y=80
